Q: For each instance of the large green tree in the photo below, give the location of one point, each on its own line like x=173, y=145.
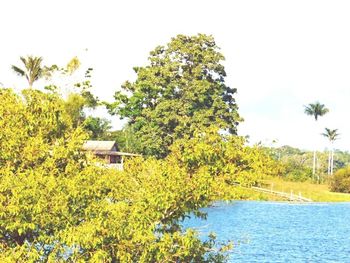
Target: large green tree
x=125, y=139
x=97, y=127
x=181, y=90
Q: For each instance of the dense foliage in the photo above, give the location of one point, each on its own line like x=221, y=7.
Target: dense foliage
x=181, y=90
x=97, y=127
x=125, y=139
x=340, y=181
x=297, y=164
x=57, y=205
x=234, y=166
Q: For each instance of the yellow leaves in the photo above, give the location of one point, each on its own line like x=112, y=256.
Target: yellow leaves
x=100, y=256
x=54, y=199
x=225, y=158
x=73, y=65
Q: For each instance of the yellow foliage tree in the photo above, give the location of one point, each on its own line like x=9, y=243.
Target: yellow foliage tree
x=57, y=205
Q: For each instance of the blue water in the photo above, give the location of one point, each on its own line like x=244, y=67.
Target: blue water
x=280, y=232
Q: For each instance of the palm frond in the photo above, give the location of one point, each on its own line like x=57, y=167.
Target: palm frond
x=23, y=59
x=18, y=71
x=308, y=111
x=32, y=69
x=332, y=135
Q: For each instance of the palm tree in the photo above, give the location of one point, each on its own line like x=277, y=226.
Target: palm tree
x=316, y=110
x=332, y=135
x=32, y=70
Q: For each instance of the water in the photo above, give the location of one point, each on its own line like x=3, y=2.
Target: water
x=280, y=232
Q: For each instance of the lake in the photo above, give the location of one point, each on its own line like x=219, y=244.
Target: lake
x=280, y=232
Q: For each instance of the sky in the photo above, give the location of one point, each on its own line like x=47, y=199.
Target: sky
x=280, y=55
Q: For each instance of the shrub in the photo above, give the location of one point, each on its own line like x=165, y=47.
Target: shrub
x=297, y=173
x=340, y=181
x=56, y=205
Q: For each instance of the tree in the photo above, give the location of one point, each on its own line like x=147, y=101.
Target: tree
x=32, y=70
x=340, y=181
x=97, y=127
x=74, y=105
x=332, y=136
x=125, y=139
x=181, y=90
x=81, y=99
x=316, y=110
x=58, y=205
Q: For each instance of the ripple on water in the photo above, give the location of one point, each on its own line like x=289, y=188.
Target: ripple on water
x=280, y=231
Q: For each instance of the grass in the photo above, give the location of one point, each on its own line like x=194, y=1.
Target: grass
x=316, y=192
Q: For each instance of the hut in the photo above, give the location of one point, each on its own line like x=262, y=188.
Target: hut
x=108, y=152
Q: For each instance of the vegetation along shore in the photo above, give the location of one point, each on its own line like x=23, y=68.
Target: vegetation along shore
x=62, y=203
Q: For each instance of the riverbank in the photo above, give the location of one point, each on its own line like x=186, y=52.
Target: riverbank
x=315, y=192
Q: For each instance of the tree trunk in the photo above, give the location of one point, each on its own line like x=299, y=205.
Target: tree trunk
x=329, y=163
x=314, y=165
x=332, y=162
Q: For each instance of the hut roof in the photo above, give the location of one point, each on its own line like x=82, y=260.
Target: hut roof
x=111, y=153
x=99, y=145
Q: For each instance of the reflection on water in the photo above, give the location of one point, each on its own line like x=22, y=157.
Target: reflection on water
x=280, y=232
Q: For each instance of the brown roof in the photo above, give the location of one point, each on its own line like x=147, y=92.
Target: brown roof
x=115, y=153
x=99, y=145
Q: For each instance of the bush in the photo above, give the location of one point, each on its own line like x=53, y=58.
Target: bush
x=56, y=205
x=297, y=173
x=340, y=181
x=225, y=157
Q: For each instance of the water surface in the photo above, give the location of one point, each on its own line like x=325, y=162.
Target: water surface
x=280, y=232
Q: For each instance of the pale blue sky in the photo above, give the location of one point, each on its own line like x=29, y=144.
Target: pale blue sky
x=280, y=55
